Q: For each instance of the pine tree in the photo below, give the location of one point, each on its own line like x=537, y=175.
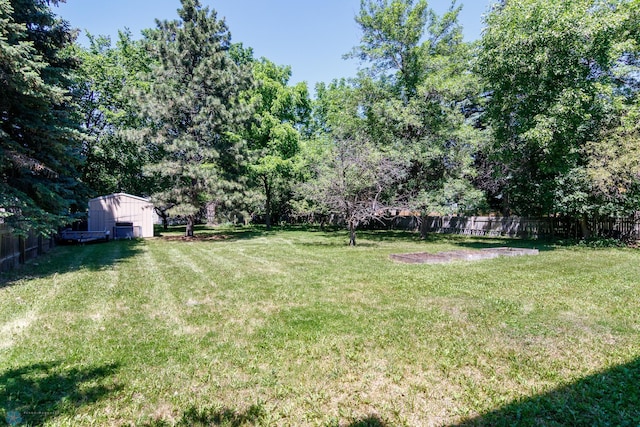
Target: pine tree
x=39, y=138
x=195, y=111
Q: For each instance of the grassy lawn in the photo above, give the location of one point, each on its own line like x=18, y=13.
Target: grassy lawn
x=287, y=327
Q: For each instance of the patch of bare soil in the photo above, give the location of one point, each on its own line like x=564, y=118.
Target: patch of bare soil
x=460, y=255
x=197, y=238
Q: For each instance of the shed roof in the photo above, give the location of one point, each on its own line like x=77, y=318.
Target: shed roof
x=114, y=195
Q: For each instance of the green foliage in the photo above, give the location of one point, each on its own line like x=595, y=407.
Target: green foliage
x=39, y=138
x=281, y=111
x=194, y=111
x=424, y=108
x=557, y=73
x=336, y=110
x=410, y=112
x=541, y=116
x=108, y=80
x=394, y=38
x=349, y=174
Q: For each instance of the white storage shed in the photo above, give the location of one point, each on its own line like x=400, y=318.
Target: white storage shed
x=123, y=215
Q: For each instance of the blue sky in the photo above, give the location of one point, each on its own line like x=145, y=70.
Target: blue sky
x=309, y=35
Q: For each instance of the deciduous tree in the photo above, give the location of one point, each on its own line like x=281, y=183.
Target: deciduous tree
x=349, y=175
x=355, y=180
x=557, y=78
x=107, y=82
x=418, y=95
x=281, y=112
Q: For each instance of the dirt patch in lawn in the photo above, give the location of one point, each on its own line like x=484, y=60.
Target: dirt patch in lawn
x=460, y=255
x=197, y=238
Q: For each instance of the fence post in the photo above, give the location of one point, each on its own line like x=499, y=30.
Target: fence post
x=22, y=246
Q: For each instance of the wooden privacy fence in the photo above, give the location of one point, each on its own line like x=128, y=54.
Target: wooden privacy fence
x=512, y=226
x=15, y=250
x=625, y=228
x=533, y=228
x=489, y=226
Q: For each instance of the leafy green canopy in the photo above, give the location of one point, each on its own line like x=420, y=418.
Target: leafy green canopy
x=281, y=112
x=194, y=111
x=417, y=97
x=106, y=83
x=39, y=138
x=400, y=36
x=349, y=175
x=400, y=135
x=558, y=75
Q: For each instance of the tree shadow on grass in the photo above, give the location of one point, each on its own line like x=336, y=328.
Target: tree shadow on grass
x=226, y=417
x=609, y=398
x=64, y=259
x=370, y=421
x=389, y=235
x=339, y=237
x=208, y=233
x=489, y=242
x=214, y=416
x=371, y=237
x=37, y=393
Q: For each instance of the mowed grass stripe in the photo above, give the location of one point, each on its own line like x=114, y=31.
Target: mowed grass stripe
x=73, y=295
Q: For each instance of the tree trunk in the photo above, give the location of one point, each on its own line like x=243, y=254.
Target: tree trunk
x=190, y=225
x=267, y=220
x=352, y=234
x=211, y=213
x=584, y=227
x=267, y=203
x=423, y=225
x=162, y=213
x=506, y=207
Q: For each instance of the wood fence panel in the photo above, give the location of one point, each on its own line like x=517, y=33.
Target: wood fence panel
x=15, y=250
x=9, y=249
x=532, y=228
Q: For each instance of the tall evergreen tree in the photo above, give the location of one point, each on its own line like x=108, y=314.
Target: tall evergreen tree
x=39, y=139
x=195, y=111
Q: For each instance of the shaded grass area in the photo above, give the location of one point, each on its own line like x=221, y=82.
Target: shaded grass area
x=39, y=392
x=606, y=398
x=292, y=327
x=103, y=257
